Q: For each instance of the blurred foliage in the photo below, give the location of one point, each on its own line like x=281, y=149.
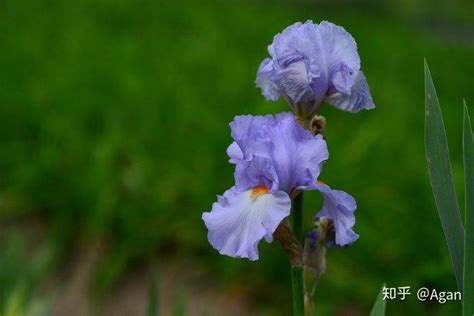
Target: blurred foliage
x=114, y=124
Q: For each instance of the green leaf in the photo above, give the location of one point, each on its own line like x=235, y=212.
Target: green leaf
x=379, y=305
x=437, y=155
x=468, y=149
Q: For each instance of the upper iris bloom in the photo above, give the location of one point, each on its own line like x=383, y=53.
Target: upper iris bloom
x=275, y=158
x=311, y=64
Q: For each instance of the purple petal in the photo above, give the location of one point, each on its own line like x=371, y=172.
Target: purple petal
x=342, y=79
x=298, y=39
x=275, y=152
x=296, y=154
x=294, y=81
x=239, y=220
x=337, y=47
x=310, y=62
x=235, y=153
x=358, y=99
x=265, y=80
x=340, y=207
x=246, y=131
x=257, y=172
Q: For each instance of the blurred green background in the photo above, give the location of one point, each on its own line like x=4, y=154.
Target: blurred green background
x=113, y=128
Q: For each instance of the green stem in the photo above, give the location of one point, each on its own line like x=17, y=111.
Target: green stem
x=297, y=286
x=298, y=217
x=297, y=269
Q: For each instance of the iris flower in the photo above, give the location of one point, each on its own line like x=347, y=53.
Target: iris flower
x=275, y=158
x=311, y=64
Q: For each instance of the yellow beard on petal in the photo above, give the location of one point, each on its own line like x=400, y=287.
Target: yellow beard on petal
x=257, y=191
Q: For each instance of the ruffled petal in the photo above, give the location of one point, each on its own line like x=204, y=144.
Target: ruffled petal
x=340, y=207
x=342, y=79
x=275, y=152
x=311, y=62
x=259, y=171
x=338, y=47
x=294, y=81
x=239, y=220
x=246, y=130
x=296, y=154
x=358, y=99
x=265, y=80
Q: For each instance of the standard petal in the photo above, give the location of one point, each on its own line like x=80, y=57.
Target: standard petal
x=294, y=81
x=275, y=152
x=246, y=130
x=340, y=207
x=358, y=99
x=259, y=171
x=265, y=80
x=296, y=154
x=337, y=47
x=239, y=220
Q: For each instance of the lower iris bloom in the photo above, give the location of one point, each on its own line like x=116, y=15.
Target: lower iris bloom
x=274, y=159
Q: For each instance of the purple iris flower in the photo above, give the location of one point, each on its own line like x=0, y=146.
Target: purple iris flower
x=274, y=157
x=311, y=64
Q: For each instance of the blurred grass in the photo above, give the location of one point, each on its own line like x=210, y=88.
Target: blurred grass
x=114, y=124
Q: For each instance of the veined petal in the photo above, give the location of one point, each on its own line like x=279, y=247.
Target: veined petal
x=342, y=79
x=337, y=46
x=265, y=81
x=275, y=152
x=296, y=154
x=294, y=81
x=358, y=99
x=340, y=207
x=239, y=220
x=246, y=130
x=257, y=172
x=310, y=62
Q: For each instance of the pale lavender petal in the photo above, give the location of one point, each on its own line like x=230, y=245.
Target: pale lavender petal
x=342, y=79
x=295, y=40
x=294, y=81
x=239, y=220
x=265, y=80
x=310, y=62
x=358, y=99
x=337, y=47
x=340, y=207
x=275, y=152
x=259, y=171
x=296, y=154
x=235, y=153
x=246, y=130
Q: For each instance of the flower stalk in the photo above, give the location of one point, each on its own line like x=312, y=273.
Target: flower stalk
x=297, y=267
x=297, y=221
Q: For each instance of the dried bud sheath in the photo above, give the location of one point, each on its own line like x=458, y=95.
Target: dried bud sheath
x=290, y=245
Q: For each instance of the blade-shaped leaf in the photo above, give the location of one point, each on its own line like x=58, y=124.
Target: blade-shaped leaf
x=442, y=183
x=379, y=305
x=468, y=149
